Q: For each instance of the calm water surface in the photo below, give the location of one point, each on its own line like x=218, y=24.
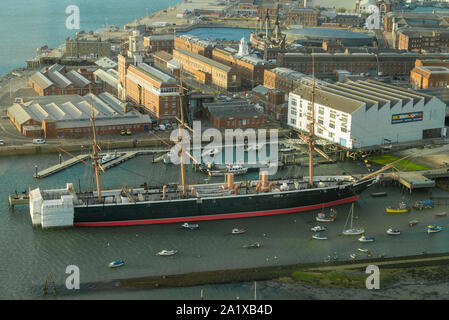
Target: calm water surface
x=30, y=254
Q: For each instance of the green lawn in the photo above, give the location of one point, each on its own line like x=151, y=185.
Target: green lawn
x=403, y=165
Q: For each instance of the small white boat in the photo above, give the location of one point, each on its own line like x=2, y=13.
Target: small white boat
x=393, y=231
x=238, y=231
x=318, y=236
x=441, y=214
x=108, y=158
x=322, y=217
x=352, y=231
x=363, y=250
x=318, y=229
x=236, y=170
x=166, y=252
x=352, y=255
x=433, y=229
x=116, y=264
x=254, y=245
x=366, y=239
x=412, y=223
x=190, y=226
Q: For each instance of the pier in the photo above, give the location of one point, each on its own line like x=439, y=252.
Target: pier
x=17, y=199
x=413, y=180
x=59, y=167
x=124, y=156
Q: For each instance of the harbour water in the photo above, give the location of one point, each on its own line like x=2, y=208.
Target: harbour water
x=28, y=25
x=30, y=254
x=229, y=34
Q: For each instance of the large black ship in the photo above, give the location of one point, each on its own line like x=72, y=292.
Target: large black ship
x=119, y=207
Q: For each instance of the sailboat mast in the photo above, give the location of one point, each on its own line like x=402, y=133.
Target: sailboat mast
x=180, y=127
x=94, y=154
x=312, y=126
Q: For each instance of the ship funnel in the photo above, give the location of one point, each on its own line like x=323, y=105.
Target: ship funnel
x=264, y=184
x=229, y=181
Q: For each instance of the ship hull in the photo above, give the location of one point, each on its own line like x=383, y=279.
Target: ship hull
x=231, y=207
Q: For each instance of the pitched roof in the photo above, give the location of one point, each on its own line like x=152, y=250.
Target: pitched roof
x=205, y=60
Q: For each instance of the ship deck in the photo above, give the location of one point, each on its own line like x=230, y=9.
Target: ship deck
x=174, y=191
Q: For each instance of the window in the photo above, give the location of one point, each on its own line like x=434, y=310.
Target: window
x=321, y=110
x=293, y=111
x=332, y=124
x=332, y=114
x=321, y=120
x=293, y=121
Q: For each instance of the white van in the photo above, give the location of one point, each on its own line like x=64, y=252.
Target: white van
x=38, y=141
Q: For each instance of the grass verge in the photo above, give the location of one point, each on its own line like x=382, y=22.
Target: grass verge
x=403, y=165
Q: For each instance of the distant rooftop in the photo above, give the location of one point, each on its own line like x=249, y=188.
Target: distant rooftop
x=205, y=60
x=155, y=73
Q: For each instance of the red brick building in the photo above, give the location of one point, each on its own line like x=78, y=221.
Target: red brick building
x=250, y=69
x=159, y=42
x=303, y=16
x=194, y=44
x=235, y=114
x=69, y=116
x=428, y=40
x=55, y=81
x=207, y=70
x=154, y=90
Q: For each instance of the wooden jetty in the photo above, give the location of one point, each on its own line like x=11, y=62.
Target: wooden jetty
x=124, y=156
x=59, y=167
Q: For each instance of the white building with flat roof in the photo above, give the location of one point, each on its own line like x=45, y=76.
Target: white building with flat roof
x=367, y=113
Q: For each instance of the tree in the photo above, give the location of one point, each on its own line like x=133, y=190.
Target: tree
x=341, y=9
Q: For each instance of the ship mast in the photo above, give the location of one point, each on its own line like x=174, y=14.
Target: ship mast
x=311, y=138
x=180, y=127
x=95, y=157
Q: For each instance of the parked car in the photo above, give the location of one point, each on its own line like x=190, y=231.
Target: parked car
x=122, y=133
x=128, y=132
x=38, y=141
x=2, y=143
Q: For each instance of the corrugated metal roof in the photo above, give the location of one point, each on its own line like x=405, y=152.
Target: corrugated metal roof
x=41, y=80
x=60, y=80
x=156, y=74
x=70, y=111
x=77, y=78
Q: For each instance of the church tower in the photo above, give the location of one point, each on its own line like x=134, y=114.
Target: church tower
x=243, y=48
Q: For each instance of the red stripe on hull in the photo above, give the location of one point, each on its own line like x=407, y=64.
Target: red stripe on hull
x=217, y=216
